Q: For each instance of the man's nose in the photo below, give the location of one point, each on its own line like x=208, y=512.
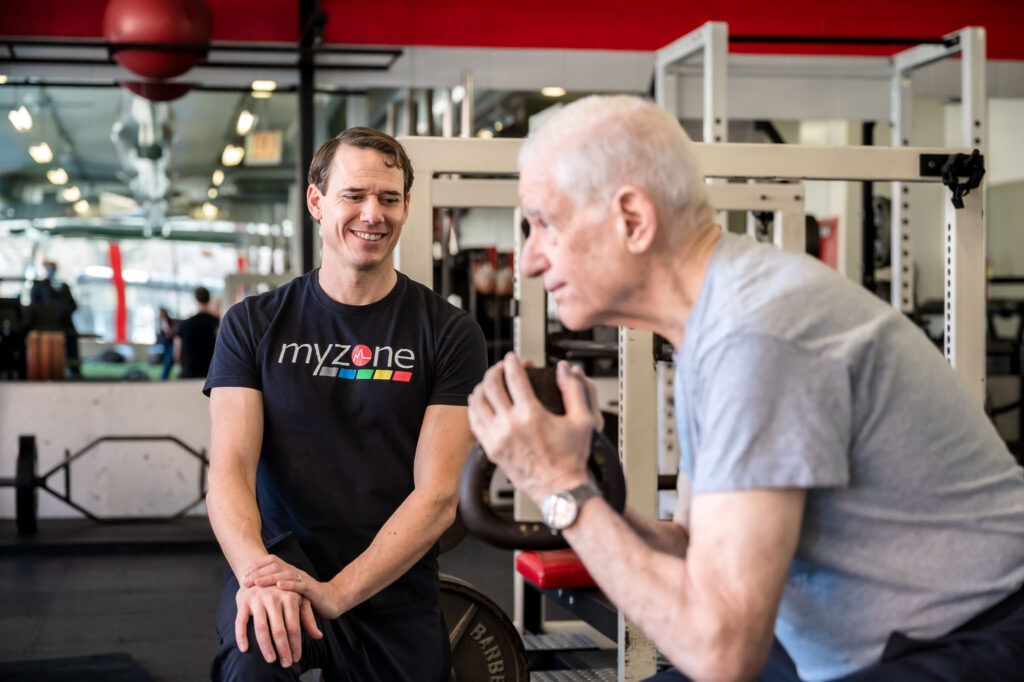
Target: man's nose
x=371, y=210
x=532, y=262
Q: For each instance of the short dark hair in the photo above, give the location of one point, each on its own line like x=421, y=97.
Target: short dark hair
x=361, y=138
x=202, y=295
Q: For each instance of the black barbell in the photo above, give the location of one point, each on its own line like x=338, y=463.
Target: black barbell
x=27, y=484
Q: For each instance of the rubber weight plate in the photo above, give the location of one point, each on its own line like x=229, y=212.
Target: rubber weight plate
x=485, y=644
x=455, y=534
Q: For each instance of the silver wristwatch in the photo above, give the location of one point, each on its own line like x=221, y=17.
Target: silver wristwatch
x=561, y=509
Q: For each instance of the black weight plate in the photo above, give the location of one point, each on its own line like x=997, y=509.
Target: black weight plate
x=485, y=643
x=455, y=534
x=25, y=486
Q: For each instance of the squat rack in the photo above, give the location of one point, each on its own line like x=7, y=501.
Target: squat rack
x=712, y=40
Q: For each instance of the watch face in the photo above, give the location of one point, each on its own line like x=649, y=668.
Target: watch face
x=560, y=510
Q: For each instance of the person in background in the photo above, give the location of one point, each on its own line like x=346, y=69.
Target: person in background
x=165, y=339
x=52, y=293
x=195, y=339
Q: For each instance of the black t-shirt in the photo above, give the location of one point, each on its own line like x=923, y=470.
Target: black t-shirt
x=198, y=335
x=344, y=392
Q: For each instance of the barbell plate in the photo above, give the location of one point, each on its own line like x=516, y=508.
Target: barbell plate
x=488, y=645
x=455, y=534
x=32, y=351
x=57, y=356
x=26, y=493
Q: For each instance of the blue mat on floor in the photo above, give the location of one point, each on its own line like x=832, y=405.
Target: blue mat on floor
x=98, y=668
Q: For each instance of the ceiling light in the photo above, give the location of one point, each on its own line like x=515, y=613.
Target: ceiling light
x=264, y=86
x=71, y=194
x=259, y=94
x=212, y=192
x=209, y=210
x=3, y=79
x=232, y=155
x=81, y=207
x=41, y=153
x=218, y=177
x=552, y=91
x=20, y=119
x=458, y=92
x=245, y=121
x=57, y=176
x=485, y=133
x=498, y=126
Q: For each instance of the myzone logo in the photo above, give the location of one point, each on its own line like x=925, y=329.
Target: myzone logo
x=344, y=361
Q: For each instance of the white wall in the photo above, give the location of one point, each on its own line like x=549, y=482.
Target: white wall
x=483, y=227
x=842, y=199
x=1004, y=168
x=116, y=479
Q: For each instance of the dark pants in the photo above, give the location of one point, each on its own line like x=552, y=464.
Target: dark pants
x=987, y=648
x=168, y=361
x=366, y=648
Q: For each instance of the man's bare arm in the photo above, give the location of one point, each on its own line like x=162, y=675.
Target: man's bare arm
x=713, y=612
x=236, y=435
x=663, y=536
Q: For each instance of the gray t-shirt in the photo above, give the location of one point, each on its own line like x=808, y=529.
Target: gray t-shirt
x=789, y=376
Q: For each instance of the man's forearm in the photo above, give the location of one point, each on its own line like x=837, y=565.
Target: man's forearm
x=664, y=536
x=235, y=519
x=656, y=591
x=412, y=529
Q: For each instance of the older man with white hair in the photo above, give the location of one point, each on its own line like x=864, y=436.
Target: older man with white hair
x=847, y=510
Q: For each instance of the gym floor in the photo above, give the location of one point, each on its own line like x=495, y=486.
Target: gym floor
x=149, y=591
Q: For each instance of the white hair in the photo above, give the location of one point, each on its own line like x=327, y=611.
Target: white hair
x=600, y=143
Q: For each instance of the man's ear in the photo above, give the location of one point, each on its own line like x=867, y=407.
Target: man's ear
x=313, y=199
x=408, y=198
x=636, y=217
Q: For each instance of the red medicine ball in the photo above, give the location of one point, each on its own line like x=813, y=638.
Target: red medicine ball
x=160, y=22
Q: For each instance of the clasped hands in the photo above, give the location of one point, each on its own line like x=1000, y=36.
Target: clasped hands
x=280, y=599
x=539, y=451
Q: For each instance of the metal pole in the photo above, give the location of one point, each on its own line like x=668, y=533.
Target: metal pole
x=466, y=122
x=309, y=14
x=408, y=112
x=868, y=234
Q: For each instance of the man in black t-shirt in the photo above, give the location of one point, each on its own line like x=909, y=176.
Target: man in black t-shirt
x=195, y=339
x=339, y=430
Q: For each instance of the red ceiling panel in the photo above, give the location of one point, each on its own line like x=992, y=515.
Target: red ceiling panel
x=590, y=24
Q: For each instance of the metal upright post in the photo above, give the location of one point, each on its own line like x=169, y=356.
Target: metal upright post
x=638, y=449
x=716, y=63
x=965, y=291
x=901, y=275
x=528, y=342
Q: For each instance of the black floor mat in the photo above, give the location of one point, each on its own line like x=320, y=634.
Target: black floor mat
x=97, y=668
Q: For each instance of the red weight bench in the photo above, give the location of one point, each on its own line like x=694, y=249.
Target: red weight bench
x=553, y=569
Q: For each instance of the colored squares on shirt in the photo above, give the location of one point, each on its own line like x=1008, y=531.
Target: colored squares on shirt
x=378, y=374
x=329, y=371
